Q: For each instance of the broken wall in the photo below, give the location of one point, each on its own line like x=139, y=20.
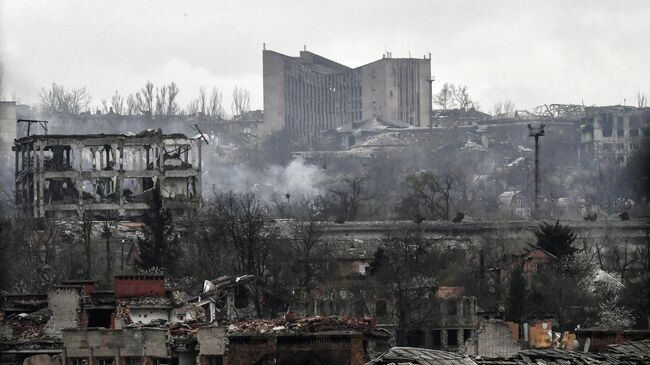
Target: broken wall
x=320, y=349
x=493, y=339
x=212, y=340
x=65, y=304
x=131, y=342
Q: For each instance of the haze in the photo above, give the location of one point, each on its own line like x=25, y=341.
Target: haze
x=591, y=52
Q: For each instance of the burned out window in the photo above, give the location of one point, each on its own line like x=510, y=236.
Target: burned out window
x=381, y=308
x=452, y=337
x=241, y=297
x=132, y=360
x=620, y=132
x=634, y=133
x=415, y=338
x=608, y=126
x=436, y=336
x=105, y=361
x=451, y=307
x=159, y=361
x=214, y=360
x=78, y=361
x=467, y=306
x=467, y=334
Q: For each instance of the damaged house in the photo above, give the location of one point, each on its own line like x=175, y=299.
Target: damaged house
x=140, y=322
x=63, y=176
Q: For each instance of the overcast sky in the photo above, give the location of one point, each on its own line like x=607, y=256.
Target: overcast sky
x=561, y=51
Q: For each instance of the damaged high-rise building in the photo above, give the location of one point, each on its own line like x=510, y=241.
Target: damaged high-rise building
x=62, y=176
x=309, y=94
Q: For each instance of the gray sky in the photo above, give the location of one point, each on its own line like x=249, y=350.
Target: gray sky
x=550, y=51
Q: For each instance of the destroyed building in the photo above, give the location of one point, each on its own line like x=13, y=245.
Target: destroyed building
x=609, y=135
x=141, y=321
x=310, y=93
x=62, y=176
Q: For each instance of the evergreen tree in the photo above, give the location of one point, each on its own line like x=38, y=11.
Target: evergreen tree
x=556, y=238
x=160, y=246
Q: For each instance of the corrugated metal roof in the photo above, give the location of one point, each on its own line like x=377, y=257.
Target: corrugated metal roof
x=419, y=356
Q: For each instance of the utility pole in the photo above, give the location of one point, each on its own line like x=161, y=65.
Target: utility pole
x=536, y=132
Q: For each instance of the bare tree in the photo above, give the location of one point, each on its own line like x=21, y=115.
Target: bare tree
x=161, y=101
x=506, y=107
x=641, y=100
x=445, y=97
x=462, y=97
x=105, y=107
x=144, y=100
x=59, y=100
x=308, y=250
x=350, y=197
x=131, y=105
x=408, y=268
x=202, y=101
x=193, y=107
x=172, y=105
x=244, y=217
x=215, y=106
x=240, y=101
x=429, y=192
x=117, y=103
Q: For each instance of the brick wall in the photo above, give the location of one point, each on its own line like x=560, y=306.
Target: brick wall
x=139, y=286
x=251, y=350
x=299, y=349
x=100, y=342
x=320, y=349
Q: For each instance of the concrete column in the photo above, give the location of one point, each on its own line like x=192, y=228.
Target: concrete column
x=41, y=180
x=118, y=152
x=78, y=167
x=16, y=169
x=198, y=183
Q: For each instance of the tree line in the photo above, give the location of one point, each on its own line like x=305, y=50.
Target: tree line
x=150, y=101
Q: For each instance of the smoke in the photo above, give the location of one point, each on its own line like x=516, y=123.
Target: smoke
x=297, y=178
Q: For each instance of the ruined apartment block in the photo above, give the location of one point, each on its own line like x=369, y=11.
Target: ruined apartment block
x=610, y=135
x=63, y=176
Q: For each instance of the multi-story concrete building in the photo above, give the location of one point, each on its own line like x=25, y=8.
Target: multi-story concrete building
x=310, y=93
x=63, y=176
x=611, y=134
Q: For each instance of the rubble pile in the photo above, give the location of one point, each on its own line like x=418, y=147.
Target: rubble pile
x=306, y=324
x=145, y=301
x=122, y=313
x=25, y=326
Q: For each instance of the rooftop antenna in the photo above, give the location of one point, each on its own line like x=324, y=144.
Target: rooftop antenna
x=305, y=47
x=264, y=46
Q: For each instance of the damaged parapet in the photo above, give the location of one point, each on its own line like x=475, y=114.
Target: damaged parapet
x=63, y=176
